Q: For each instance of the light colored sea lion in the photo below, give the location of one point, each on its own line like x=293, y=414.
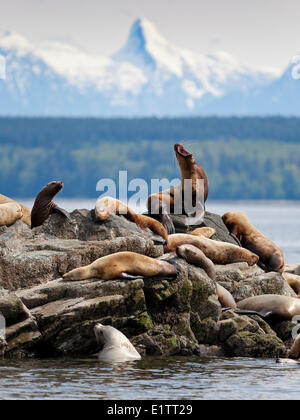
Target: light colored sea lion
x=116, y=346
x=10, y=213
x=162, y=203
x=270, y=255
x=26, y=218
x=277, y=307
x=218, y=252
x=44, y=206
x=293, y=281
x=194, y=255
x=207, y=232
x=113, y=266
x=107, y=206
x=225, y=297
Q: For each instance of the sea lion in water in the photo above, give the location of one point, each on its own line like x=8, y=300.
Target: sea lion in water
x=113, y=266
x=225, y=297
x=275, y=307
x=44, y=206
x=194, y=255
x=26, y=218
x=162, y=203
x=271, y=257
x=218, y=252
x=107, y=206
x=294, y=281
x=207, y=232
x=116, y=346
x=10, y=213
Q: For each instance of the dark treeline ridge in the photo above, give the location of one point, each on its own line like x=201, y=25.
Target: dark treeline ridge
x=245, y=158
x=42, y=132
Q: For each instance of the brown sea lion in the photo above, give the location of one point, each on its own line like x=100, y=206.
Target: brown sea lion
x=114, y=266
x=218, y=252
x=276, y=307
x=194, y=255
x=26, y=218
x=295, y=350
x=293, y=281
x=207, y=232
x=10, y=213
x=225, y=297
x=271, y=257
x=107, y=206
x=44, y=206
x=163, y=203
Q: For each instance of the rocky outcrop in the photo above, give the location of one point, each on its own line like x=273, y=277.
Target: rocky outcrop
x=46, y=316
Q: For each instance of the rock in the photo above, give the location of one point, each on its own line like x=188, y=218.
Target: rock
x=249, y=344
x=293, y=268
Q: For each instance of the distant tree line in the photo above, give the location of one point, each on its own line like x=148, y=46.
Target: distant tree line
x=80, y=152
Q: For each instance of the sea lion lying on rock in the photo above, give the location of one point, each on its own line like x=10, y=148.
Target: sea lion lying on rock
x=271, y=257
x=117, y=265
x=225, y=297
x=275, y=307
x=207, y=232
x=107, y=206
x=218, y=252
x=116, y=347
x=44, y=206
x=26, y=218
x=162, y=203
x=194, y=255
x=10, y=213
x=294, y=281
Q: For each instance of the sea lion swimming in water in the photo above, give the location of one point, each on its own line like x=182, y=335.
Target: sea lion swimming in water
x=116, y=265
x=10, y=213
x=275, y=307
x=162, y=203
x=44, y=206
x=26, y=218
x=271, y=257
x=117, y=347
x=218, y=252
x=107, y=206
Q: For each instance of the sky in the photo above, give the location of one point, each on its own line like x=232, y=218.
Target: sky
x=257, y=32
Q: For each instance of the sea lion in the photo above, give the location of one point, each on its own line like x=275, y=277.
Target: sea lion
x=106, y=206
x=26, y=218
x=207, y=232
x=113, y=266
x=44, y=206
x=163, y=202
x=275, y=307
x=116, y=346
x=225, y=297
x=294, y=353
x=293, y=281
x=194, y=255
x=271, y=257
x=218, y=252
x=10, y=213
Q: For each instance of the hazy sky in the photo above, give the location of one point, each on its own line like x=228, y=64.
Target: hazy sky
x=260, y=32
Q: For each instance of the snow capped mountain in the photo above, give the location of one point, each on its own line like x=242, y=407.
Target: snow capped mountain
x=148, y=76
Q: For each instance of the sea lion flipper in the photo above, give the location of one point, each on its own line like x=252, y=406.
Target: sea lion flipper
x=263, y=314
x=127, y=276
x=167, y=222
x=61, y=211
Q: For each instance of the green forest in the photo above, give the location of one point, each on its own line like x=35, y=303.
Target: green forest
x=244, y=158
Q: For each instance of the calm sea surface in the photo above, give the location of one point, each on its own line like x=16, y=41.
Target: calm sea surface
x=172, y=378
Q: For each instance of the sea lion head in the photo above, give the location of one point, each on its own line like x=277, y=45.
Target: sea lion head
x=237, y=222
x=52, y=188
x=189, y=253
x=184, y=158
x=106, y=335
x=105, y=207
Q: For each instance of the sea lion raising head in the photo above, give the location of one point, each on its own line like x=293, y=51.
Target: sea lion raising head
x=162, y=204
x=270, y=255
x=116, y=346
x=44, y=206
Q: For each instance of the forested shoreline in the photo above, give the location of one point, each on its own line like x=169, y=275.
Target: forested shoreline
x=245, y=158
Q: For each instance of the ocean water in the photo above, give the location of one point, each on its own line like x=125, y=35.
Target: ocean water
x=168, y=378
